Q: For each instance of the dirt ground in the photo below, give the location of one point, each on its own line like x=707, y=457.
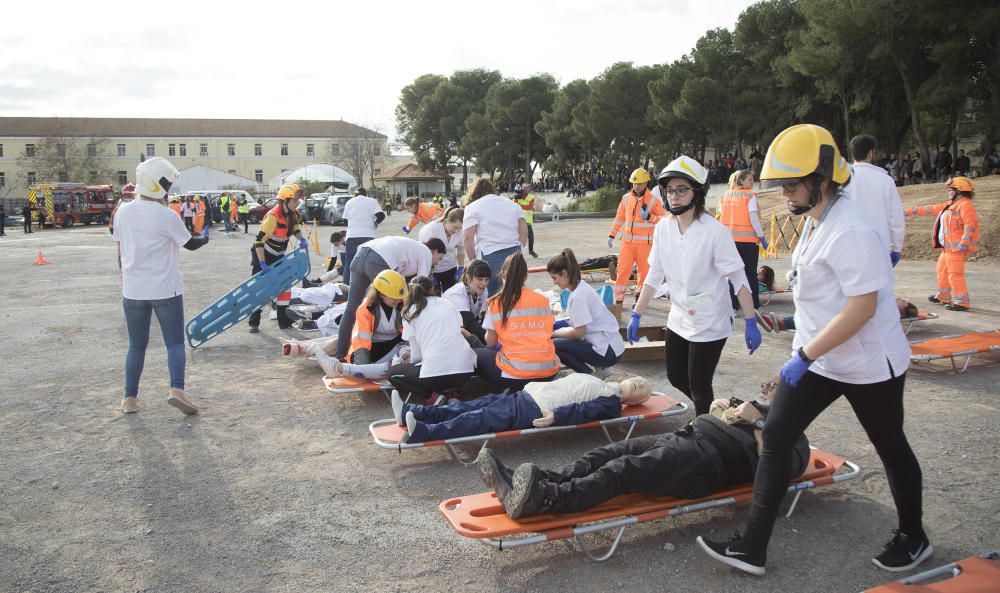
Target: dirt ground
x=277, y=486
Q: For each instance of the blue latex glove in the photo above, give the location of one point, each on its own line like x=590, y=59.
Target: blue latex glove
x=611, y=242
x=406, y=230
x=560, y=323
x=894, y=258
x=793, y=369
x=633, y=328
x=763, y=243
x=204, y=232
x=304, y=244
x=644, y=212
x=752, y=334
x=264, y=266
x=458, y=273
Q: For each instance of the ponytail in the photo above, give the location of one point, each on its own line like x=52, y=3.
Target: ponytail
x=565, y=262
x=420, y=288
x=515, y=275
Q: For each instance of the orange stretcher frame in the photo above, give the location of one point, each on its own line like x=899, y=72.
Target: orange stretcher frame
x=975, y=574
x=921, y=316
x=387, y=433
x=769, y=294
x=954, y=347
x=482, y=517
x=355, y=385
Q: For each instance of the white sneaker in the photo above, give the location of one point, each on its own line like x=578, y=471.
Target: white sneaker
x=397, y=408
x=329, y=364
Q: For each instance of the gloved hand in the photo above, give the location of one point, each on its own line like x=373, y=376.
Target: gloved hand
x=633, y=328
x=304, y=244
x=644, y=212
x=458, y=273
x=204, y=232
x=611, y=242
x=763, y=243
x=560, y=323
x=793, y=369
x=264, y=266
x=894, y=258
x=406, y=229
x=751, y=333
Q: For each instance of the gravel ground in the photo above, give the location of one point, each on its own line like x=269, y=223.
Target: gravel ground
x=277, y=486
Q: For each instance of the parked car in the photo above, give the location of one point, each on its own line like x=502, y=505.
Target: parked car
x=333, y=211
x=14, y=220
x=311, y=208
x=257, y=212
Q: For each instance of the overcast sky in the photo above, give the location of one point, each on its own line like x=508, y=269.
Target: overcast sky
x=315, y=60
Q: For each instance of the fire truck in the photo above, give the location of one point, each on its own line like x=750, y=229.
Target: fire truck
x=65, y=204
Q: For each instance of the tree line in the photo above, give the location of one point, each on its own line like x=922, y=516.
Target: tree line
x=917, y=74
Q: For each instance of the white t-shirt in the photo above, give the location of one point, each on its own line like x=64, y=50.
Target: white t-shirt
x=495, y=219
x=386, y=328
x=187, y=209
x=435, y=230
x=150, y=236
x=360, y=213
x=463, y=300
x=436, y=340
x=571, y=389
x=586, y=308
x=406, y=256
x=842, y=257
x=873, y=190
x=697, y=264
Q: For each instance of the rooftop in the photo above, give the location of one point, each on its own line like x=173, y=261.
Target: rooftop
x=409, y=171
x=100, y=127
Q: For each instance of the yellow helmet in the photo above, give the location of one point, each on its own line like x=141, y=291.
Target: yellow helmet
x=960, y=184
x=802, y=150
x=640, y=175
x=289, y=191
x=391, y=284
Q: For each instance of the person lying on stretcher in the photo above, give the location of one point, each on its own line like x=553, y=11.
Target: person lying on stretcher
x=573, y=399
x=714, y=451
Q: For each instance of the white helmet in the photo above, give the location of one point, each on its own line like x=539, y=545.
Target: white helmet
x=154, y=176
x=686, y=167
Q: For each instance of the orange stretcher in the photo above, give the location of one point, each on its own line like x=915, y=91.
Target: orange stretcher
x=921, y=316
x=955, y=347
x=355, y=385
x=481, y=516
x=975, y=574
x=387, y=433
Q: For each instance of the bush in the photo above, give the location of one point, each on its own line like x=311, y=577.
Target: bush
x=606, y=198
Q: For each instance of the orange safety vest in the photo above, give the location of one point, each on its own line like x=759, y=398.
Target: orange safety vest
x=176, y=207
x=364, y=328
x=629, y=219
x=277, y=243
x=426, y=212
x=734, y=212
x=199, y=216
x=526, y=348
x=959, y=220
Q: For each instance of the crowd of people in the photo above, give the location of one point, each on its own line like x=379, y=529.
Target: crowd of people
x=433, y=313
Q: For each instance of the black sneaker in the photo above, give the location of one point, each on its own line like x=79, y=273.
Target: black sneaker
x=904, y=552
x=529, y=493
x=933, y=299
x=495, y=474
x=254, y=329
x=954, y=307
x=735, y=553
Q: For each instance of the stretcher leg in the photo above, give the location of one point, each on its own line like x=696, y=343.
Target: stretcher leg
x=457, y=457
x=611, y=549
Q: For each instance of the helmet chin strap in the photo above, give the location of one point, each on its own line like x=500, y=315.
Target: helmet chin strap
x=678, y=210
x=814, y=198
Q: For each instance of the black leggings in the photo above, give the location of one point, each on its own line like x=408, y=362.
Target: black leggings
x=406, y=378
x=879, y=408
x=691, y=366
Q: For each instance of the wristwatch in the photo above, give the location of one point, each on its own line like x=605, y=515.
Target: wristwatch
x=759, y=424
x=802, y=354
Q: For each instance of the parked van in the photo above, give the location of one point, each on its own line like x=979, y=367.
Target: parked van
x=212, y=198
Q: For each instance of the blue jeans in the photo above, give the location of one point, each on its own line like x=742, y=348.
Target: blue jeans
x=490, y=413
x=351, y=246
x=496, y=260
x=577, y=354
x=170, y=315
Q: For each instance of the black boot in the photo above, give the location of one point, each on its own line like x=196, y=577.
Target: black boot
x=531, y=493
x=495, y=474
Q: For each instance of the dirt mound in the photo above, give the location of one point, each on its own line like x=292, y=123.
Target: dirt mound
x=918, y=243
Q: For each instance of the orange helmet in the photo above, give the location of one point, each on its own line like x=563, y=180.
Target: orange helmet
x=960, y=184
x=289, y=191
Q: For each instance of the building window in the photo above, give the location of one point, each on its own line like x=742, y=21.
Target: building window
x=335, y=149
x=29, y=151
x=122, y=177
x=231, y=171
x=310, y=150
x=377, y=172
x=231, y=149
x=413, y=188
x=3, y=179
x=91, y=150
x=1, y=150
x=92, y=177
x=62, y=176
x=258, y=150
x=203, y=150
x=60, y=150
x=183, y=150
x=121, y=150
x=31, y=178
x=378, y=150
x=284, y=150
x=171, y=150
x=258, y=174
x=150, y=150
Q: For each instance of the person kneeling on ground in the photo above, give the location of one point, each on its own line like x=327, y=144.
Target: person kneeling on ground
x=469, y=297
x=573, y=399
x=772, y=323
x=712, y=452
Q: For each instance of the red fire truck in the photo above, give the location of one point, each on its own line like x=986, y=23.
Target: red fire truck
x=65, y=204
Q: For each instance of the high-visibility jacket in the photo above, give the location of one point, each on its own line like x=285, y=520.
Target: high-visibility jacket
x=365, y=323
x=526, y=348
x=734, y=212
x=199, y=216
x=244, y=207
x=224, y=203
x=629, y=221
x=426, y=212
x=275, y=230
x=176, y=207
x=527, y=203
x=957, y=224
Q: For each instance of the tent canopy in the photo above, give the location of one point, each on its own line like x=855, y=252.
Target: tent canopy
x=323, y=172
x=202, y=178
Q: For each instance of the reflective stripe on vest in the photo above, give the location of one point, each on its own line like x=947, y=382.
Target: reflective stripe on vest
x=734, y=210
x=526, y=348
x=526, y=366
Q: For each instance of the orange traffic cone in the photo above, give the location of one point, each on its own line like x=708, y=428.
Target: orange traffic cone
x=41, y=261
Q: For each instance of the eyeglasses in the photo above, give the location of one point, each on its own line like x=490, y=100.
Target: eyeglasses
x=680, y=192
x=790, y=187
x=768, y=386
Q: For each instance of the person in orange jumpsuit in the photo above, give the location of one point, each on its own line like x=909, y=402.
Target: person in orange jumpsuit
x=420, y=212
x=956, y=234
x=199, y=214
x=638, y=213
